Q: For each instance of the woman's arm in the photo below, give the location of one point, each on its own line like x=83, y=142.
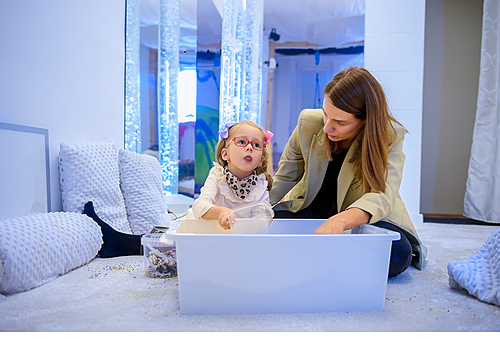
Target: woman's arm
x=371, y=207
x=342, y=221
x=379, y=204
x=291, y=167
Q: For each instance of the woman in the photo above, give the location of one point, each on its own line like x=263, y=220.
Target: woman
x=344, y=163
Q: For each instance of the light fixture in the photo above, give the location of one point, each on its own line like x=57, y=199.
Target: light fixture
x=273, y=35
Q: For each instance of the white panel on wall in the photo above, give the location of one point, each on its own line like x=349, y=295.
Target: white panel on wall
x=24, y=186
x=394, y=53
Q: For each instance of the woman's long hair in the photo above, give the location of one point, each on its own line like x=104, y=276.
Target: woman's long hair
x=223, y=143
x=355, y=91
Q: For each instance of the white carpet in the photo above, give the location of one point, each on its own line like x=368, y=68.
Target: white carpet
x=115, y=295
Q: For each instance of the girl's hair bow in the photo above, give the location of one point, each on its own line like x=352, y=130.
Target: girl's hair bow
x=268, y=135
x=224, y=133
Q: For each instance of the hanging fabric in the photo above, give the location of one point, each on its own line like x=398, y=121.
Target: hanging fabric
x=482, y=195
x=317, y=91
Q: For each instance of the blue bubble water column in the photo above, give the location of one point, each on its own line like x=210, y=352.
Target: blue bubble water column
x=132, y=141
x=252, y=83
x=168, y=71
x=241, y=61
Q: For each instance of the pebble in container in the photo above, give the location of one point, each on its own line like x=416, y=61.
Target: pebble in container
x=159, y=258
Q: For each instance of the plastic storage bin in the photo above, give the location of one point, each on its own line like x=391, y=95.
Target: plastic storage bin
x=159, y=257
x=289, y=270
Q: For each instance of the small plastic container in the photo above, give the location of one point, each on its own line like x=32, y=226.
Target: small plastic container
x=160, y=259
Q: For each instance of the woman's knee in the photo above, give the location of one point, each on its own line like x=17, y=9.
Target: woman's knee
x=401, y=250
x=401, y=256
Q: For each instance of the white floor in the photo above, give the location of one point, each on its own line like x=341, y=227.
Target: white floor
x=115, y=295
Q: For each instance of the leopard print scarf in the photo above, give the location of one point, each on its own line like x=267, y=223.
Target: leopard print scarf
x=241, y=188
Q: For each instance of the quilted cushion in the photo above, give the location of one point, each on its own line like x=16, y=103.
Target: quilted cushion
x=141, y=184
x=35, y=249
x=1, y=270
x=89, y=172
x=479, y=275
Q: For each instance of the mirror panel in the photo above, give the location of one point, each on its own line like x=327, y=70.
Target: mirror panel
x=209, y=34
x=187, y=83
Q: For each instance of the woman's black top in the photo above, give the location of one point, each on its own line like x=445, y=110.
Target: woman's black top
x=324, y=204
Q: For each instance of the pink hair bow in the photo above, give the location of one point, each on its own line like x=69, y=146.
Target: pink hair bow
x=268, y=135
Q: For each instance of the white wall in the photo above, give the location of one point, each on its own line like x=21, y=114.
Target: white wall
x=451, y=75
x=394, y=53
x=62, y=69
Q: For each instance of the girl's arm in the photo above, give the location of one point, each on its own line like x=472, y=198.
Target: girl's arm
x=208, y=195
x=204, y=206
x=262, y=206
x=221, y=214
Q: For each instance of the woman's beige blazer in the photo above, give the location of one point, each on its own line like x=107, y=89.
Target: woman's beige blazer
x=303, y=166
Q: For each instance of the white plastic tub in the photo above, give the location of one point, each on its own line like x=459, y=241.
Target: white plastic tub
x=289, y=270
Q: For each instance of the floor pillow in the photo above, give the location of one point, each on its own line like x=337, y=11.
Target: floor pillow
x=479, y=275
x=37, y=248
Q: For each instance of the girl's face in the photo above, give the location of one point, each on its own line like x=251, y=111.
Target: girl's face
x=340, y=126
x=242, y=161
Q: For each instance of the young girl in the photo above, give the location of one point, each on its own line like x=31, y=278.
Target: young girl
x=240, y=178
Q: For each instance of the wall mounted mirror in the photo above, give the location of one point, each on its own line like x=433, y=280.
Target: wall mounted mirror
x=198, y=86
x=313, y=25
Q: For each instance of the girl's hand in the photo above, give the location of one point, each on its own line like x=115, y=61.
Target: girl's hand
x=225, y=221
x=220, y=213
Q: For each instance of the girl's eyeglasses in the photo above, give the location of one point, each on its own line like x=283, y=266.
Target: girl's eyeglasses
x=242, y=142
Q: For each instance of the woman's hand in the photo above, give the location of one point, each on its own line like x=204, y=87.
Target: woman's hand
x=331, y=226
x=342, y=221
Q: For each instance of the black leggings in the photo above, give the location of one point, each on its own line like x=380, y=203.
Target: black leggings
x=401, y=251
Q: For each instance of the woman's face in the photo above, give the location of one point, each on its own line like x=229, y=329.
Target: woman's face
x=242, y=161
x=340, y=126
